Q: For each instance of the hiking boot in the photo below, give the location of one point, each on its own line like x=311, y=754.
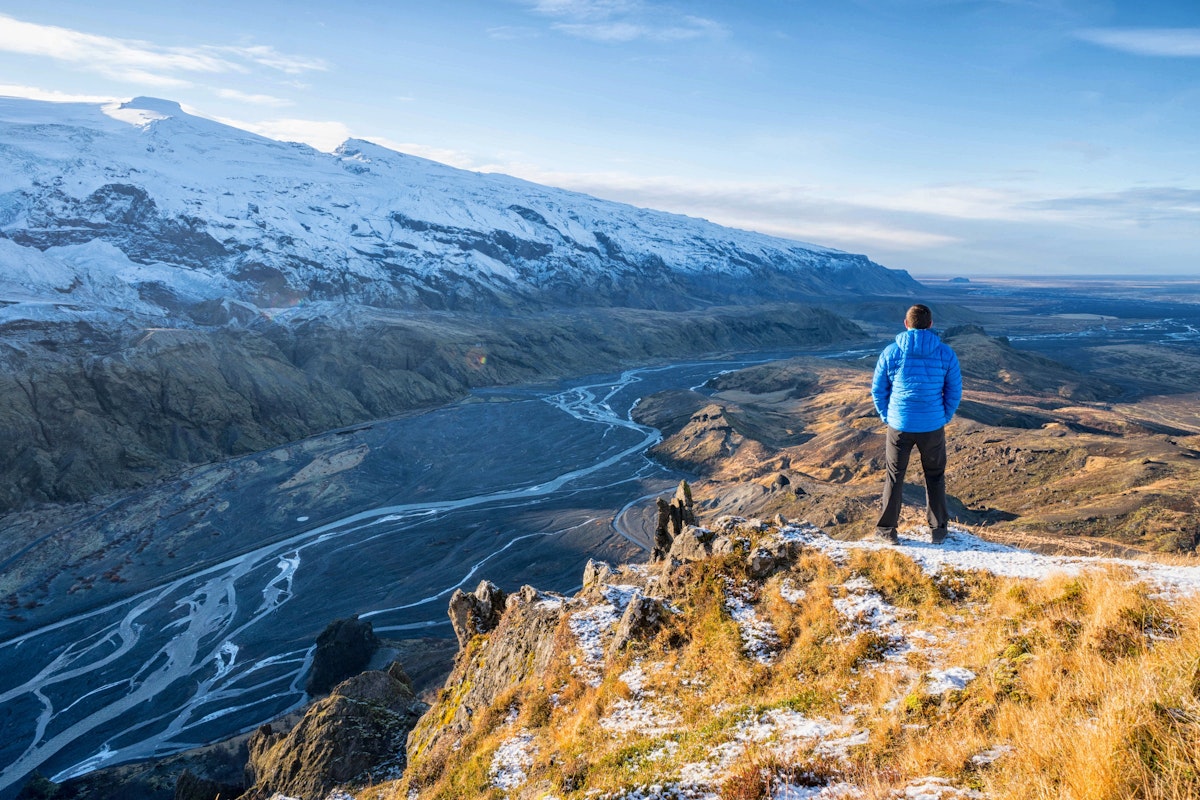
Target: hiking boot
x=938, y=535
x=887, y=535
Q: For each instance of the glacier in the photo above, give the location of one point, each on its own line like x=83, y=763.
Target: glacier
x=194, y=211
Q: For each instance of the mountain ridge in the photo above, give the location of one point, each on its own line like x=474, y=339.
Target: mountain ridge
x=278, y=223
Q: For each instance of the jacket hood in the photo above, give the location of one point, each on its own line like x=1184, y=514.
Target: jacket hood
x=918, y=341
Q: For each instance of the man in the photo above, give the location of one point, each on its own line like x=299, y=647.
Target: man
x=916, y=390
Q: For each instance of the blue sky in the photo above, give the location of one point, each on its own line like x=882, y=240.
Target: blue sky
x=959, y=137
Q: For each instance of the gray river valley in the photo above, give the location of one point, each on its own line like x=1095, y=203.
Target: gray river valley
x=209, y=630
x=218, y=581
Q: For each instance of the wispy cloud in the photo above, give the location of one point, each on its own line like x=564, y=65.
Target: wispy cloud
x=513, y=32
x=324, y=135
x=619, y=21
x=1170, y=42
x=443, y=155
x=1090, y=152
x=142, y=62
x=253, y=99
x=1140, y=206
x=50, y=95
x=792, y=212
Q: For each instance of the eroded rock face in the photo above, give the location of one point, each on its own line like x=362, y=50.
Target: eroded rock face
x=476, y=613
x=641, y=620
x=344, y=648
x=522, y=644
x=596, y=573
x=355, y=735
x=672, y=517
x=696, y=544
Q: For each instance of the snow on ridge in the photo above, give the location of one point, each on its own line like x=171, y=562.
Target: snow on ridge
x=962, y=550
x=363, y=210
x=137, y=116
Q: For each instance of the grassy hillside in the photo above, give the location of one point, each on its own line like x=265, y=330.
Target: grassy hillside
x=845, y=671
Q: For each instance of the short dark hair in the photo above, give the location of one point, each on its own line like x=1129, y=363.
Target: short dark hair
x=919, y=316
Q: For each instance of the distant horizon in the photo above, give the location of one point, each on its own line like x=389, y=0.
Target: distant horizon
x=1013, y=138
x=1061, y=278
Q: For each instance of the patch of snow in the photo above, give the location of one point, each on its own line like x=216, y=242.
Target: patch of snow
x=962, y=550
x=590, y=627
x=635, y=714
x=945, y=680
x=512, y=761
x=934, y=789
x=668, y=749
x=781, y=730
x=991, y=754
x=788, y=726
x=834, y=791
x=866, y=609
x=839, y=747
x=620, y=595
x=790, y=592
x=758, y=636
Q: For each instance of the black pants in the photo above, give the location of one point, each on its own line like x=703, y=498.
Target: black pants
x=932, y=447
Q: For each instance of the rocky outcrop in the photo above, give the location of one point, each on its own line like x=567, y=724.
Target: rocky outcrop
x=476, y=613
x=344, y=648
x=642, y=618
x=697, y=544
x=672, y=517
x=191, y=786
x=522, y=645
x=356, y=735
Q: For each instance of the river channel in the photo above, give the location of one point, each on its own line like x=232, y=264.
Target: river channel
x=384, y=521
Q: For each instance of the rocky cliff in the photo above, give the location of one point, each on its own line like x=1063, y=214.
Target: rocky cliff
x=354, y=736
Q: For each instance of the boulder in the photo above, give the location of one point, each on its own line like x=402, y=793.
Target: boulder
x=476, y=613
x=522, y=646
x=692, y=544
x=344, y=648
x=723, y=545
x=354, y=736
x=770, y=556
x=760, y=563
x=596, y=573
x=642, y=618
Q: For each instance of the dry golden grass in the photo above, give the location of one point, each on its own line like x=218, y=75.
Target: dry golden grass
x=1088, y=684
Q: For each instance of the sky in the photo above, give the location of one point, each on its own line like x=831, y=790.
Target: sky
x=945, y=137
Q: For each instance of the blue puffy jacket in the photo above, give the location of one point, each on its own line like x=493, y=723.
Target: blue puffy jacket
x=917, y=383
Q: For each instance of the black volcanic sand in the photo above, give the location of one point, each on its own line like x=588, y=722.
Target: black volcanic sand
x=187, y=612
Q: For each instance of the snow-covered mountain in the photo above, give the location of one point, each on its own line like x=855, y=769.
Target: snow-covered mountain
x=144, y=209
